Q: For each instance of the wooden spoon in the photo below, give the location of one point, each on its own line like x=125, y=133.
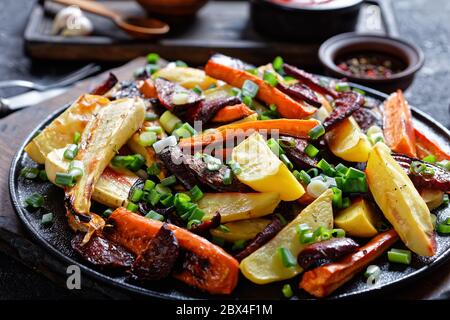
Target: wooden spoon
x=139, y=27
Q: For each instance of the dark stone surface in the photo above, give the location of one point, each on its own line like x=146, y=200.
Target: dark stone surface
x=421, y=21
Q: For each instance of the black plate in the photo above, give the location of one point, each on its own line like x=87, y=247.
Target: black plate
x=56, y=239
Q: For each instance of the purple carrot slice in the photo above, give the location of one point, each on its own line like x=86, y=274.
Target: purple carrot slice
x=206, y=110
x=344, y=106
x=169, y=91
x=106, y=85
x=300, y=91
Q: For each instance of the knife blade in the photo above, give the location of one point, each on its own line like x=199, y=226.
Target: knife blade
x=31, y=98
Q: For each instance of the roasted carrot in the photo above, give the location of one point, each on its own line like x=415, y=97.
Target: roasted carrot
x=232, y=113
x=425, y=147
x=398, y=126
x=205, y=266
x=291, y=127
x=322, y=281
x=286, y=106
x=147, y=88
x=306, y=199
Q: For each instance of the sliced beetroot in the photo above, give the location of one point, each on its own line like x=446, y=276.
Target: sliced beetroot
x=157, y=260
x=101, y=252
x=440, y=180
x=300, y=91
x=173, y=160
x=106, y=85
x=260, y=239
x=169, y=92
x=309, y=80
x=203, y=228
x=295, y=151
x=206, y=110
x=366, y=118
x=344, y=106
x=324, y=252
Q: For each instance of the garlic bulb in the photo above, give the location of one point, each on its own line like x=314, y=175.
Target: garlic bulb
x=70, y=22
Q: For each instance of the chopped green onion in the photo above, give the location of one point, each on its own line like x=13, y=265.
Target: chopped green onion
x=342, y=86
x=169, y=181
x=399, y=256
x=132, y=207
x=286, y=257
x=252, y=71
x=235, y=92
x=227, y=177
x=137, y=162
x=43, y=175
x=154, y=216
x=287, y=291
x=443, y=228
x=277, y=63
x=235, y=167
x=196, y=193
x=338, y=233
x=355, y=173
x=155, y=129
x=345, y=202
x=153, y=170
x=337, y=197
x=341, y=170
x=153, y=197
x=326, y=235
x=302, y=176
x=307, y=237
x=167, y=200
x=197, y=214
x=433, y=220
x=249, y=89
x=132, y=162
x=352, y=185
x=76, y=137
x=162, y=189
x=430, y=158
x=169, y=121
x=152, y=58
x=64, y=179
x=223, y=228
x=149, y=185
x=150, y=116
x=182, y=203
x=193, y=223
x=270, y=78
x=417, y=167
x=71, y=152
x=289, y=79
x=47, y=219
x=197, y=90
x=316, y=132
x=326, y=168
x=35, y=201
x=275, y=147
x=361, y=92
x=445, y=201
x=212, y=163
x=184, y=131
x=107, y=213
x=238, y=245
x=444, y=164
x=29, y=173
x=286, y=161
x=372, y=270
x=147, y=138
x=428, y=171
x=180, y=63
x=311, y=151
x=248, y=101
x=313, y=172
x=137, y=195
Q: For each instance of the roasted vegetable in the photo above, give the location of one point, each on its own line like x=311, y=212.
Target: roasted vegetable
x=174, y=97
x=399, y=201
x=344, y=106
x=186, y=77
x=205, y=111
x=359, y=220
x=295, y=151
x=324, y=280
x=300, y=91
x=239, y=206
x=102, y=137
x=148, y=89
x=261, y=238
x=107, y=84
x=265, y=265
x=325, y=252
x=240, y=230
x=425, y=147
x=433, y=198
x=102, y=253
x=158, y=259
x=207, y=225
x=263, y=171
x=223, y=68
x=397, y=125
x=232, y=113
x=202, y=264
x=60, y=132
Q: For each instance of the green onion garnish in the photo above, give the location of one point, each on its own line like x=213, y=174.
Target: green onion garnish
x=316, y=132
x=212, y=163
x=169, y=121
x=286, y=257
x=197, y=90
x=29, y=173
x=71, y=152
x=149, y=185
x=372, y=270
x=248, y=101
x=155, y=129
x=107, y=213
x=153, y=197
x=287, y=291
x=443, y=228
x=286, y=161
x=249, y=89
x=137, y=195
x=342, y=86
x=277, y=63
x=341, y=170
x=47, y=219
x=169, y=181
x=338, y=233
x=132, y=162
x=252, y=71
x=430, y=158
x=162, y=189
x=361, y=92
x=417, y=167
x=238, y=245
x=311, y=151
x=64, y=179
x=153, y=170
x=132, y=207
x=399, y=256
x=302, y=176
x=345, y=202
x=235, y=167
x=193, y=223
x=196, y=193
x=196, y=214
x=445, y=200
x=43, y=175
x=76, y=137
x=313, y=172
x=275, y=147
x=154, y=216
x=152, y=58
x=167, y=200
x=337, y=198
x=223, y=228
x=355, y=173
x=270, y=78
x=326, y=168
x=150, y=116
x=35, y=201
x=227, y=178
x=235, y=92
x=147, y=138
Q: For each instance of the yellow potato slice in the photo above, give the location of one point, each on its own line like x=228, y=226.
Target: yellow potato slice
x=186, y=77
x=358, y=220
x=241, y=230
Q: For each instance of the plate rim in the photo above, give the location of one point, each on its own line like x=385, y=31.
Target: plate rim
x=135, y=289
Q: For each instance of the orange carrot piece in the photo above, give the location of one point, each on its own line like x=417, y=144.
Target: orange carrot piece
x=398, y=126
x=322, y=281
x=233, y=113
x=147, y=88
x=291, y=127
x=219, y=271
x=425, y=147
x=286, y=106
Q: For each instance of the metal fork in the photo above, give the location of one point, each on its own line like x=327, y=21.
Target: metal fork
x=68, y=80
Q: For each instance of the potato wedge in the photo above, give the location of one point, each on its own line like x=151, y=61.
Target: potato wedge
x=241, y=230
x=112, y=188
x=433, y=198
x=265, y=266
x=358, y=220
x=239, y=206
x=102, y=138
x=400, y=202
x=187, y=77
x=60, y=132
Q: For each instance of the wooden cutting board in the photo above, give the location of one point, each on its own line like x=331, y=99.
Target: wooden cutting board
x=16, y=243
